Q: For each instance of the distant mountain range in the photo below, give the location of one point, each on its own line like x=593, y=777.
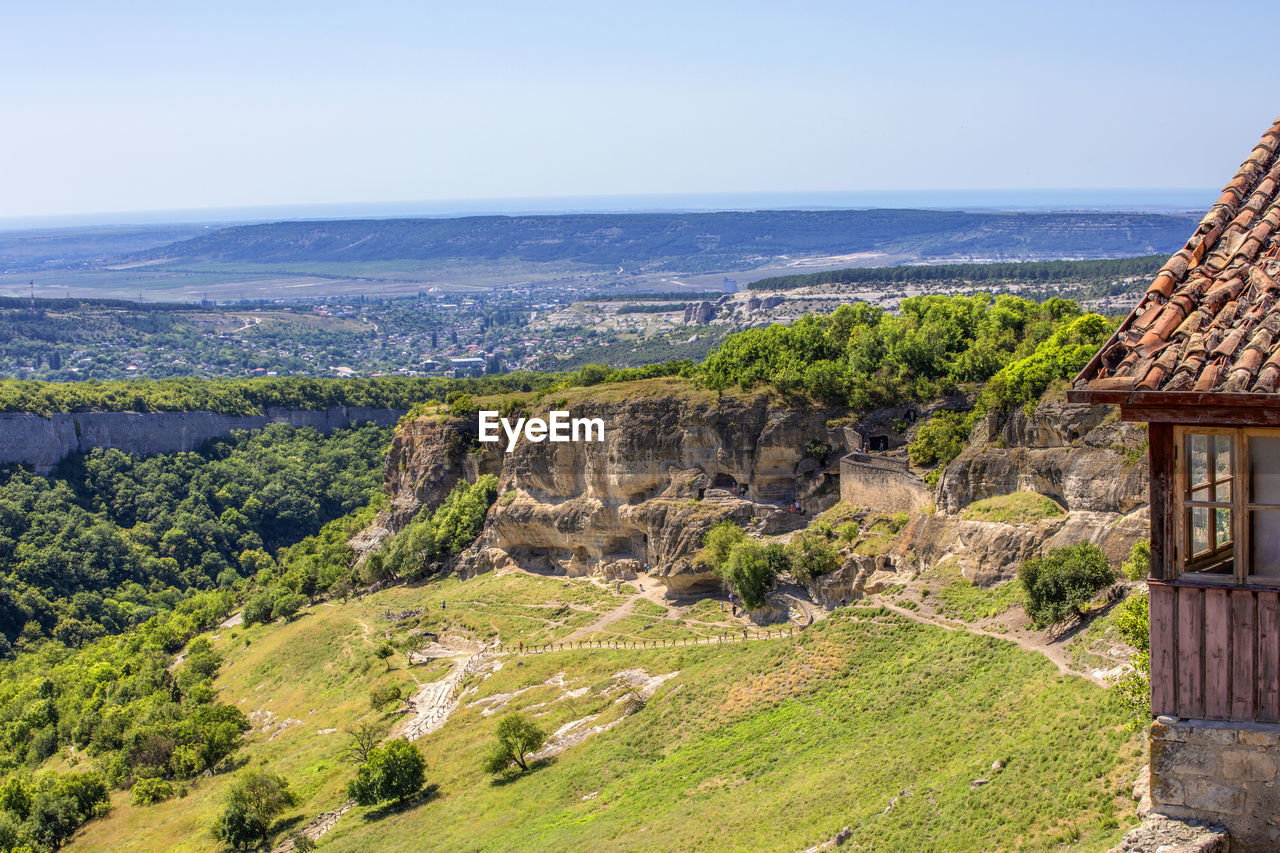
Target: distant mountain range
x=688, y=241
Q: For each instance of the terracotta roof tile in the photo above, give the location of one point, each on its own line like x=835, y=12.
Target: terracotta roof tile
x=1210, y=320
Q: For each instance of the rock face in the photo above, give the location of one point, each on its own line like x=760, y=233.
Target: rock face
x=674, y=463
x=1079, y=455
x=699, y=313
x=28, y=439
x=669, y=467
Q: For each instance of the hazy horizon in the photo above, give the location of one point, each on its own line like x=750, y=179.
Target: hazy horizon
x=1148, y=200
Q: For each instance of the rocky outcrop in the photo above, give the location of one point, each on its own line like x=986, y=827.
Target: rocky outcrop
x=858, y=576
x=670, y=466
x=1081, y=456
x=43, y=442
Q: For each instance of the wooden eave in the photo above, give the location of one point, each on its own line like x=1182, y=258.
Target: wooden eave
x=1187, y=407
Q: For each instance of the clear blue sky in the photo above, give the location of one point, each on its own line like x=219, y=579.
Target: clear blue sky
x=150, y=105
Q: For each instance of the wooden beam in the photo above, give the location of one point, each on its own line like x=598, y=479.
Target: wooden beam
x=1161, y=499
x=1268, y=657
x=1204, y=415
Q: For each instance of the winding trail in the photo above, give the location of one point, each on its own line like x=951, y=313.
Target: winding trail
x=1054, y=653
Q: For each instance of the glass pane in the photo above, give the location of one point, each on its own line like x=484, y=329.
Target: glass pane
x=1198, y=466
x=1264, y=465
x=1198, y=524
x=1222, y=467
x=1222, y=527
x=1265, y=543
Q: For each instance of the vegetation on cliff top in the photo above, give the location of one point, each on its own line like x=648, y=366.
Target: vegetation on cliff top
x=248, y=396
x=1031, y=271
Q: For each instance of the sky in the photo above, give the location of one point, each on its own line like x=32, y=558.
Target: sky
x=145, y=106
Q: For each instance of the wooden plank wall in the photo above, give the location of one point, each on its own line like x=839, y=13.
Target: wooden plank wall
x=1215, y=652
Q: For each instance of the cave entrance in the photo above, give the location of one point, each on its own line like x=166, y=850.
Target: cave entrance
x=726, y=482
x=879, y=442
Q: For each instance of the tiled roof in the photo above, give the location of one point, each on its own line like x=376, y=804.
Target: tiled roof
x=1210, y=321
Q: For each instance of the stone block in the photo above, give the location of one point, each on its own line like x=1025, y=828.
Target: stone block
x=1259, y=737
x=1167, y=791
x=1184, y=759
x=1167, y=729
x=1219, y=734
x=1207, y=796
x=1248, y=764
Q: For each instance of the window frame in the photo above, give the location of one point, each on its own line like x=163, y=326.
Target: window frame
x=1242, y=507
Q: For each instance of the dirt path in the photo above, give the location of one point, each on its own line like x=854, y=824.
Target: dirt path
x=1037, y=644
x=617, y=614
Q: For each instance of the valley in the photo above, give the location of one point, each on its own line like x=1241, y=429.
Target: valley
x=716, y=604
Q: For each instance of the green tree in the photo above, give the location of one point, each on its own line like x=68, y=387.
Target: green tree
x=812, y=555
x=750, y=572
x=517, y=737
x=1061, y=583
x=720, y=539
x=384, y=653
x=252, y=803
x=15, y=797
x=396, y=772
x=1133, y=623
x=1138, y=566
x=288, y=605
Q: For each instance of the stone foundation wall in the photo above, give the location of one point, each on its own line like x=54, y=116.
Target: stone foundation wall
x=880, y=484
x=1219, y=772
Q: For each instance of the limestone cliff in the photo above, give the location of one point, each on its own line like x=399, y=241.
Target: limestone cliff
x=677, y=459
x=1083, y=457
x=43, y=442
x=674, y=460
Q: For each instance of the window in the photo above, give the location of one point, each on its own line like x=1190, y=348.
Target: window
x=1228, y=524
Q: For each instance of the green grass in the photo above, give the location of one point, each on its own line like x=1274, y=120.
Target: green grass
x=648, y=608
x=814, y=732
x=1013, y=508
x=965, y=601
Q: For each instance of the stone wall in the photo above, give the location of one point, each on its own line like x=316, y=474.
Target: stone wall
x=40, y=442
x=881, y=484
x=1219, y=772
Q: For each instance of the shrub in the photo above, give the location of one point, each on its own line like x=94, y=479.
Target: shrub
x=253, y=801
x=750, y=572
x=517, y=737
x=812, y=555
x=1138, y=566
x=720, y=539
x=148, y=791
x=941, y=438
x=1132, y=619
x=383, y=696
x=1061, y=583
x=392, y=772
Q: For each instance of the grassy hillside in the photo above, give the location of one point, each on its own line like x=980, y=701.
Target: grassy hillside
x=866, y=719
